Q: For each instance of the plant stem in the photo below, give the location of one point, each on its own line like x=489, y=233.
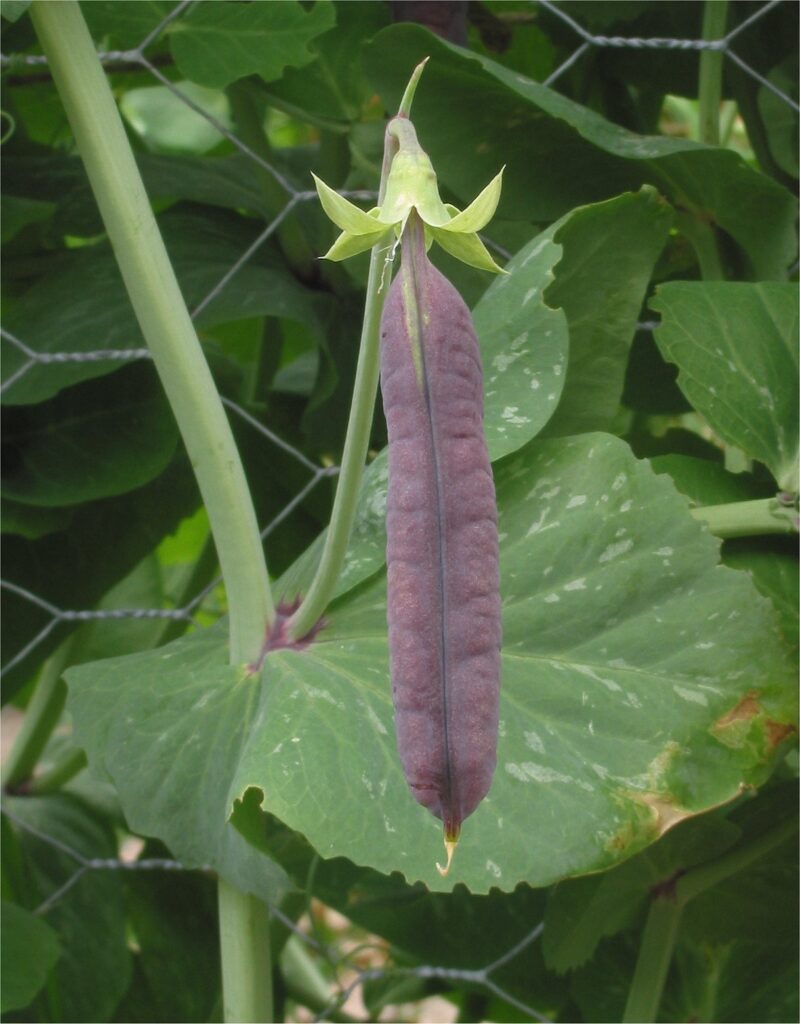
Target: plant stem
x=246, y=960
x=703, y=876
x=661, y=928
x=162, y=315
x=709, y=91
x=748, y=518
x=43, y=712
x=655, y=953
x=59, y=775
x=360, y=422
x=170, y=334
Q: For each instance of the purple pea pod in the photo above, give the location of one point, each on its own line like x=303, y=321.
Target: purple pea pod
x=442, y=548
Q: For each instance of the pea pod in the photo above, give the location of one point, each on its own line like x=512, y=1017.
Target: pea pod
x=442, y=549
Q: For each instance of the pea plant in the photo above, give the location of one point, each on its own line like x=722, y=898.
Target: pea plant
x=539, y=598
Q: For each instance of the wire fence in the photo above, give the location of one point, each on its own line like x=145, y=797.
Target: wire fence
x=137, y=58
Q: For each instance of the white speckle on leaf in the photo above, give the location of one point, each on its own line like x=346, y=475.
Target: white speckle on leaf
x=493, y=868
x=666, y=552
x=503, y=360
x=619, y=481
x=547, y=571
x=626, y=506
x=587, y=670
x=529, y=294
x=579, y=499
x=510, y=414
x=615, y=550
x=519, y=341
x=691, y=695
x=552, y=599
x=704, y=645
x=375, y=720
x=534, y=741
x=579, y=584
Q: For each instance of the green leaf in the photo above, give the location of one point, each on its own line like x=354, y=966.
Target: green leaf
x=73, y=570
x=215, y=43
x=167, y=124
x=190, y=813
x=124, y=24
x=30, y=949
x=333, y=88
x=610, y=250
x=16, y=213
x=174, y=919
x=472, y=115
x=524, y=344
x=92, y=975
x=628, y=654
x=735, y=345
x=12, y=10
x=32, y=522
x=202, y=246
x=95, y=440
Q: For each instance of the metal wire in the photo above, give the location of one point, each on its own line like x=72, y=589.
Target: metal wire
x=137, y=57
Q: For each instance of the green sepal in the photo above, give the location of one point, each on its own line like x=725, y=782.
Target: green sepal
x=481, y=210
x=347, y=245
x=468, y=248
x=344, y=214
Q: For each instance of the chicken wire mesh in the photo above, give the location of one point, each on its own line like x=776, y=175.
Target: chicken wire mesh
x=138, y=58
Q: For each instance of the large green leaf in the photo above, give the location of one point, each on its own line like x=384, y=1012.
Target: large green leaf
x=203, y=246
x=89, y=917
x=189, y=796
x=216, y=43
x=610, y=250
x=98, y=439
x=560, y=154
x=641, y=685
x=30, y=949
x=736, y=347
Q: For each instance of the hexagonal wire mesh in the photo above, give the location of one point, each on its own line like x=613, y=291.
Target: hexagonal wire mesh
x=138, y=58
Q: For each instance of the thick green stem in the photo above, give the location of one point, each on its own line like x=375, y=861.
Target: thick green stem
x=655, y=954
x=709, y=91
x=759, y=517
x=162, y=315
x=358, y=427
x=41, y=716
x=170, y=334
x=246, y=960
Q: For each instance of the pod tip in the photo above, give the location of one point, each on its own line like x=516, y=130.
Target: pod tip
x=450, y=844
